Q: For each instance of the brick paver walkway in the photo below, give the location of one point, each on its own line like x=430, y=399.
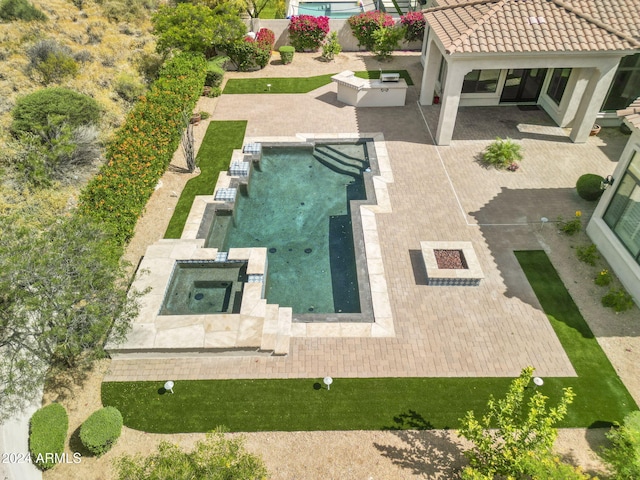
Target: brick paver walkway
x=439, y=193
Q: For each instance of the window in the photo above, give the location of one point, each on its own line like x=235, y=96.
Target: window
x=625, y=87
x=558, y=83
x=623, y=213
x=481, y=81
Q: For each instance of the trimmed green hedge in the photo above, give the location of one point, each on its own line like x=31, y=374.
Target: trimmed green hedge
x=100, y=431
x=589, y=186
x=47, y=435
x=142, y=149
x=286, y=54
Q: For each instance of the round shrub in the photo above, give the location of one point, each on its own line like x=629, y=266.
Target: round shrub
x=286, y=54
x=588, y=186
x=501, y=153
x=100, y=431
x=47, y=434
x=33, y=112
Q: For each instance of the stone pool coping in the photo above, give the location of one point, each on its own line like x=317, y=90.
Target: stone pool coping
x=260, y=328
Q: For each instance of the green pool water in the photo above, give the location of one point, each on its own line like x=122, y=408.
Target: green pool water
x=298, y=207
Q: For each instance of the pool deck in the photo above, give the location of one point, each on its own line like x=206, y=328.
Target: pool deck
x=438, y=194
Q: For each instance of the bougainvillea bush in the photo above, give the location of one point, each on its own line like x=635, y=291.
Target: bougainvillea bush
x=364, y=24
x=414, y=23
x=143, y=147
x=307, y=32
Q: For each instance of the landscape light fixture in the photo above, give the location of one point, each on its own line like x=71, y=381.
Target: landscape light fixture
x=168, y=386
x=538, y=381
x=328, y=381
x=268, y=87
x=607, y=182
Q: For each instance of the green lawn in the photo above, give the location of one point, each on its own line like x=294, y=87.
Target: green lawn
x=213, y=157
x=295, y=84
x=380, y=403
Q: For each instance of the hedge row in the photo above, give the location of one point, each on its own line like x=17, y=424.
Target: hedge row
x=47, y=435
x=100, y=431
x=142, y=149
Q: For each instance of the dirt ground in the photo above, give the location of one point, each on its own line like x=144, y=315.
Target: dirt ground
x=355, y=454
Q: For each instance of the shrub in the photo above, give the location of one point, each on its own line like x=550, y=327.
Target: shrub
x=386, y=40
x=128, y=87
x=51, y=61
x=143, y=147
x=100, y=431
x=149, y=65
x=214, y=75
x=502, y=153
x=34, y=112
x=331, y=47
x=47, y=434
x=11, y=10
x=414, y=23
x=624, y=454
x=570, y=227
x=286, y=54
x=281, y=9
x=249, y=54
x=307, y=32
x=589, y=186
x=365, y=24
x=588, y=254
x=618, y=299
x=266, y=37
x=603, y=278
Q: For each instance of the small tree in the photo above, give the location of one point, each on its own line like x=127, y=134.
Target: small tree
x=515, y=433
x=386, y=40
x=62, y=292
x=331, y=47
x=624, y=454
x=196, y=28
x=307, y=32
x=215, y=458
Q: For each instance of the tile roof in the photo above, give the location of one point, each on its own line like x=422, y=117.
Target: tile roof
x=632, y=114
x=511, y=26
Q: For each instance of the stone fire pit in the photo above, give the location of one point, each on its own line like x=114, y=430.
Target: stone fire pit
x=451, y=264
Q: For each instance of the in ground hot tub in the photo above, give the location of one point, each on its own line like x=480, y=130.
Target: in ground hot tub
x=205, y=288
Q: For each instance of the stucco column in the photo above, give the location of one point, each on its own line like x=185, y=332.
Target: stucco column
x=449, y=100
x=594, y=93
x=430, y=72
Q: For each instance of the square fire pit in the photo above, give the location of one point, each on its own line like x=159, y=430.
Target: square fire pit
x=451, y=264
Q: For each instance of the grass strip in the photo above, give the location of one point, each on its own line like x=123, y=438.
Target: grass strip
x=296, y=84
x=601, y=397
x=381, y=403
x=221, y=139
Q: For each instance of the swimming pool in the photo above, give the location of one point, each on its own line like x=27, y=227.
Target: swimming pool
x=329, y=9
x=298, y=206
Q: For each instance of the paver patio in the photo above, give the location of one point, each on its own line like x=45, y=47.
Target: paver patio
x=438, y=194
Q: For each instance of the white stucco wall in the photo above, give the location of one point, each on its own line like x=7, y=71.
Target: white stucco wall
x=621, y=262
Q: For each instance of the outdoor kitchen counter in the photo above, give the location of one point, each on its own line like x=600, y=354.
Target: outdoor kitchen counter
x=390, y=91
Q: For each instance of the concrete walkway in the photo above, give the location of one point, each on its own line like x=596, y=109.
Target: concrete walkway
x=438, y=194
